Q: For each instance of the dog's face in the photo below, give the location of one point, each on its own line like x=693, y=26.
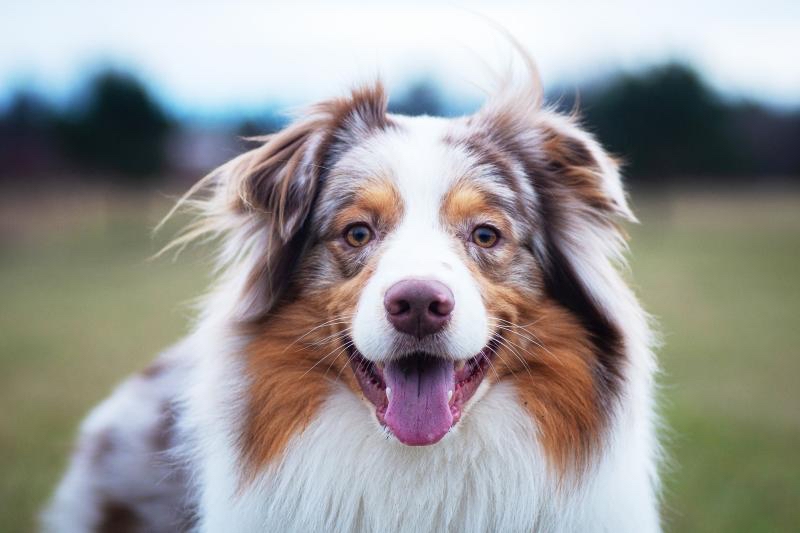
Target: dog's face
x=427, y=244
x=423, y=260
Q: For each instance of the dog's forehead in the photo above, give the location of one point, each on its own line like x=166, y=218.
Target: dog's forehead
x=413, y=157
x=423, y=165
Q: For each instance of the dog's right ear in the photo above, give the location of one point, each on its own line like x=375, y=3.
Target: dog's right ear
x=280, y=178
x=259, y=202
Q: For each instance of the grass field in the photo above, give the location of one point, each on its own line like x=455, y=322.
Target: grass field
x=82, y=307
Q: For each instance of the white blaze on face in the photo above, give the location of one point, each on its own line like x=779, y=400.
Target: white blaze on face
x=420, y=247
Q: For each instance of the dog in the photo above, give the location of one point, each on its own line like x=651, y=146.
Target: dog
x=419, y=324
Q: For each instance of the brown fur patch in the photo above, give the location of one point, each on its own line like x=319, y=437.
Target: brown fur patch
x=464, y=202
x=548, y=356
x=551, y=364
x=293, y=363
x=466, y=205
x=377, y=201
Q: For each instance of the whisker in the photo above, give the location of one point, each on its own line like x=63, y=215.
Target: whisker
x=332, y=361
x=538, y=344
x=511, y=327
x=523, y=326
x=499, y=355
x=525, y=365
x=340, y=319
x=340, y=348
x=491, y=365
x=528, y=338
x=350, y=358
x=510, y=345
x=329, y=338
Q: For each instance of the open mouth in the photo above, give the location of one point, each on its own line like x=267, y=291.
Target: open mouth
x=419, y=396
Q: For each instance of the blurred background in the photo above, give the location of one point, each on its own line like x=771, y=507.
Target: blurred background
x=108, y=110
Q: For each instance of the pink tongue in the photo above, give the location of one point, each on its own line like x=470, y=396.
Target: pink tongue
x=418, y=412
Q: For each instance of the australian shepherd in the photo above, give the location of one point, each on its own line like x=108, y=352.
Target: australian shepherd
x=419, y=324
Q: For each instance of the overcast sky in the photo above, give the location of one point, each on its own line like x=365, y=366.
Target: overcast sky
x=237, y=55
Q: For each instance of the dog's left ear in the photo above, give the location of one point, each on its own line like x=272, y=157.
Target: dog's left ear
x=559, y=156
x=581, y=166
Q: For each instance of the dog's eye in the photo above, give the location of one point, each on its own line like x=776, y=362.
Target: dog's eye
x=485, y=236
x=358, y=235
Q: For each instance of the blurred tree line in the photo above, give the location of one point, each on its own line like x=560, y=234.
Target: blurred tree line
x=116, y=129
x=665, y=122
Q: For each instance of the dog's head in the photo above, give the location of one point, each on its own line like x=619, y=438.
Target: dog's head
x=424, y=259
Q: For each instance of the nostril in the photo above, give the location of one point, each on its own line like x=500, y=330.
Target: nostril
x=441, y=307
x=398, y=307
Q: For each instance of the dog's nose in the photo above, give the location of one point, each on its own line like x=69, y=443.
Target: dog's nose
x=419, y=307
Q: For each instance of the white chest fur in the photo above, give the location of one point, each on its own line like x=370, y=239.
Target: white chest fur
x=342, y=474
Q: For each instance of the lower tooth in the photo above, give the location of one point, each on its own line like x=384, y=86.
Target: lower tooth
x=388, y=393
x=449, y=395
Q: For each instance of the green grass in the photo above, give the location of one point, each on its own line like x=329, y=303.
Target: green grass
x=721, y=275
x=82, y=307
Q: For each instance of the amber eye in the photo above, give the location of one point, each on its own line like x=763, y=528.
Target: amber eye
x=485, y=236
x=358, y=235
